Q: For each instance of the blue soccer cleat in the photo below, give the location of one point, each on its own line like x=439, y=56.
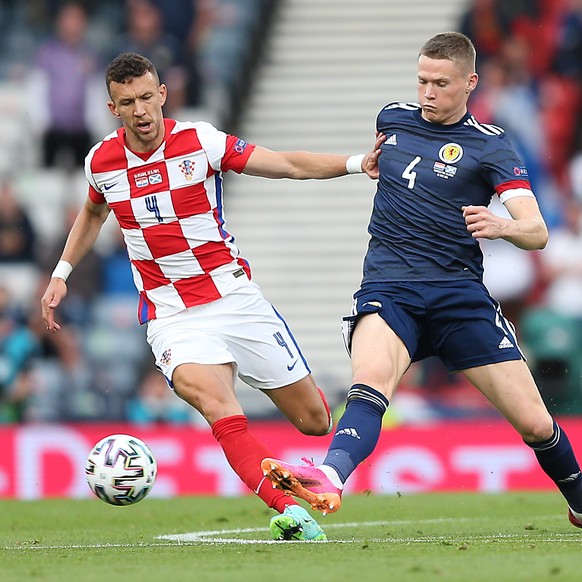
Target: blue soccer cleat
x=295, y=524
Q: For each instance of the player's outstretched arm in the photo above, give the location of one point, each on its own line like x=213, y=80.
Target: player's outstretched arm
x=81, y=239
x=297, y=165
x=301, y=165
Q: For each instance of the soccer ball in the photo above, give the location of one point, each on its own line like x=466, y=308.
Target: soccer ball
x=121, y=469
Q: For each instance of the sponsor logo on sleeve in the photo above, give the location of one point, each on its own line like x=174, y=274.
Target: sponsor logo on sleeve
x=240, y=146
x=520, y=172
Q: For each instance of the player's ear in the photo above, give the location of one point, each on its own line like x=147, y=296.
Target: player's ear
x=163, y=94
x=472, y=82
x=112, y=108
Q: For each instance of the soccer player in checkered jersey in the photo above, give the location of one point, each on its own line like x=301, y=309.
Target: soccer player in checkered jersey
x=422, y=290
x=206, y=319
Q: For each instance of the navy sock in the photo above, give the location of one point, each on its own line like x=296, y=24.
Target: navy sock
x=557, y=459
x=357, y=431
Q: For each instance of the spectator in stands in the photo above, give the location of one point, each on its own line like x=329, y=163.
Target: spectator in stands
x=146, y=35
x=509, y=98
x=154, y=403
x=18, y=346
x=487, y=25
x=189, y=22
x=562, y=264
x=17, y=234
x=63, y=73
x=537, y=23
x=568, y=55
x=567, y=63
x=528, y=31
x=18, y=266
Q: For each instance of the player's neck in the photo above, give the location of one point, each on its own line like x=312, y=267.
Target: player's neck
x=144, y=147
x=141, y=148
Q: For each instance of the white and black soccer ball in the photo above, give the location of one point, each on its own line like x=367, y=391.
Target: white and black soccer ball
x=121, y=469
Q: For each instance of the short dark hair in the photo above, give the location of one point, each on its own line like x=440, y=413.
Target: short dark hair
x=128, y=66
x=453, y=46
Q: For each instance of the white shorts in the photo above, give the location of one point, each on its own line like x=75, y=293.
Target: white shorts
x=242, y=328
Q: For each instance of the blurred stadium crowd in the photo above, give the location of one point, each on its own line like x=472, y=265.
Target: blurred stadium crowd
x=52, y=103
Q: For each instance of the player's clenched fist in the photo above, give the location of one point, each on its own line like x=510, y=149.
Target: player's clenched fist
x=482, y=223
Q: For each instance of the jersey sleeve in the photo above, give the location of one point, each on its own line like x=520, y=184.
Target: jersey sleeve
x=96, y=196
x=504, y=170
x=225, y=152
x=94, y=193
x=237, y=154
x=508, y=193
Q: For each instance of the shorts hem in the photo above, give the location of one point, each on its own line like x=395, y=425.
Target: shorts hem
x=474, y=363
x=279, y=385
x=168, y=371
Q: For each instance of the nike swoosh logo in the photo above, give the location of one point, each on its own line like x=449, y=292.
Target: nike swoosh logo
x=290, y=367
x=108, y=187
x=256, y=491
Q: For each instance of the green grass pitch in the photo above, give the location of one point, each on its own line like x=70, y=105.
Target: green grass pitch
x=449, y=537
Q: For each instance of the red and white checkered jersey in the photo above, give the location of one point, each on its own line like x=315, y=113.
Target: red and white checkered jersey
x=169, y=206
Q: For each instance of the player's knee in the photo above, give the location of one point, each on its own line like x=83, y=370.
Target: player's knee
x=537, y=430
x=315, y=424
x=313, y=430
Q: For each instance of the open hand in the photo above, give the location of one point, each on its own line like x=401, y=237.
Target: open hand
x=55, y=292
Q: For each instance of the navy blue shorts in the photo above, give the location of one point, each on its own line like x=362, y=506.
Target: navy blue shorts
x=457, y=321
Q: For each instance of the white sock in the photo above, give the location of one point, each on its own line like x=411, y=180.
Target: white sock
x=332, y=475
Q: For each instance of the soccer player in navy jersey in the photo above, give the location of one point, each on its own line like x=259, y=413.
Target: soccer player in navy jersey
x=207, y=321
x=422, y=290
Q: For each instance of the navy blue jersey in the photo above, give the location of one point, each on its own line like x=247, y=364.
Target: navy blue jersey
x=428, y=172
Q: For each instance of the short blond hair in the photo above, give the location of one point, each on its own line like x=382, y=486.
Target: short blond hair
x=453, y=46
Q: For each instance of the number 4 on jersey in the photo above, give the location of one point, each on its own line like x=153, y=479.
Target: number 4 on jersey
x=408, y=174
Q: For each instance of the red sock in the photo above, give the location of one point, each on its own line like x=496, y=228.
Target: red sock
x=244, y=454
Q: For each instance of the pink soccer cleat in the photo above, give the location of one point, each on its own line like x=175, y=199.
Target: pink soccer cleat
x=304, y=481
x=573, y=519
